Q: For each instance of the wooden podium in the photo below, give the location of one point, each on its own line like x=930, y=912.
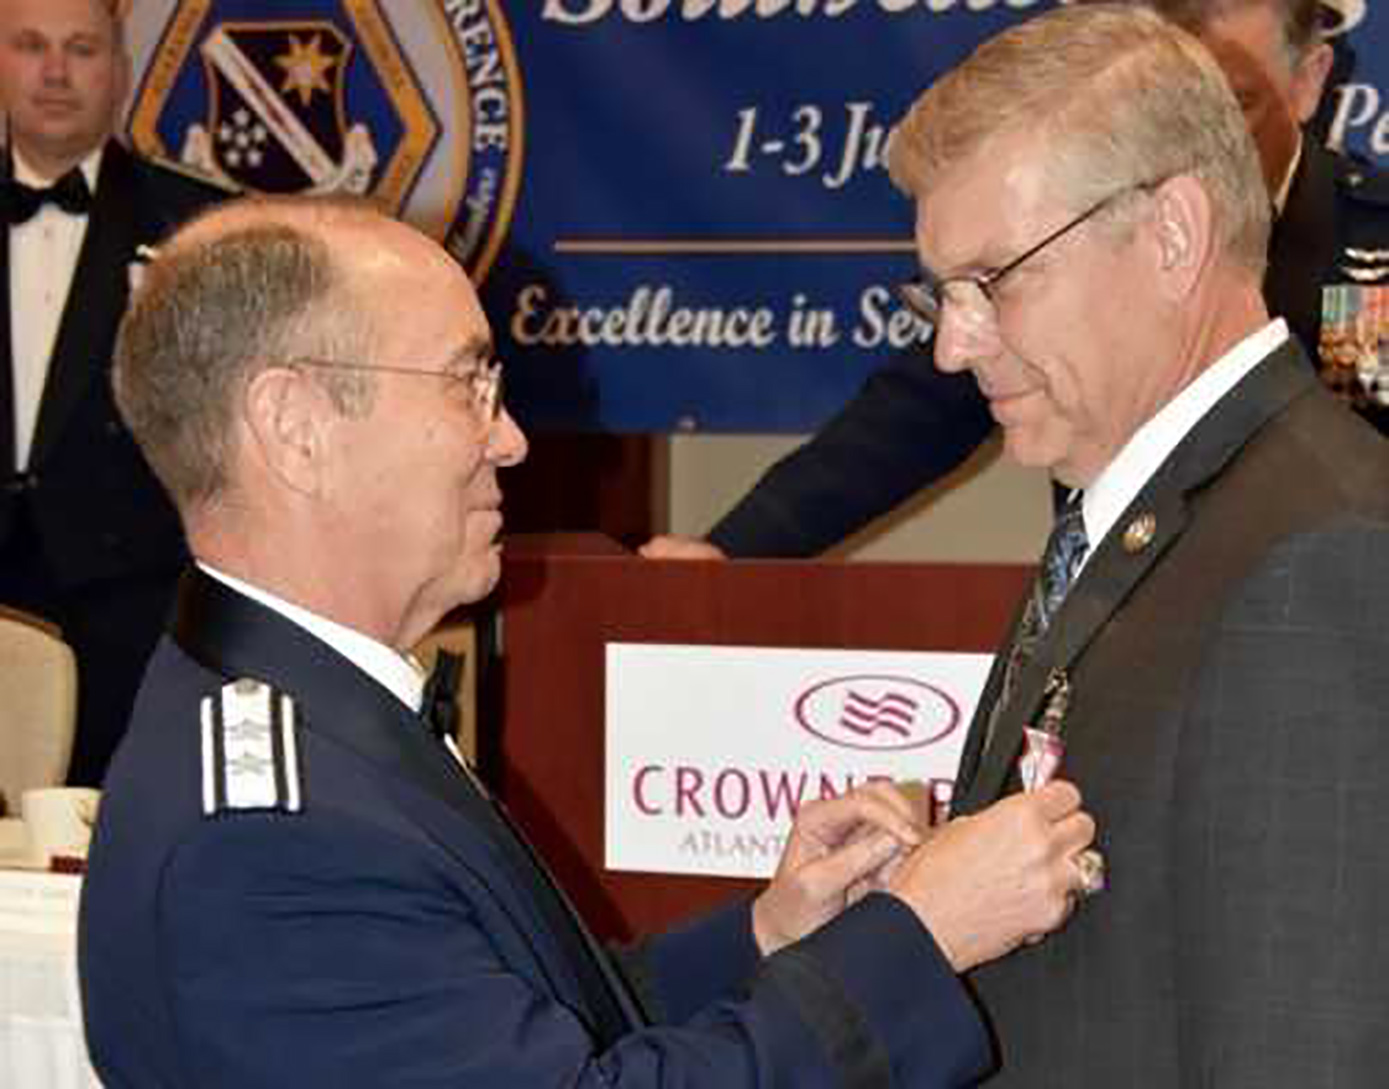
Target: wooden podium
x=563, y=597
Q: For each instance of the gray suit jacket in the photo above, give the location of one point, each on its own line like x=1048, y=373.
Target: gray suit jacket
x=1229, y=728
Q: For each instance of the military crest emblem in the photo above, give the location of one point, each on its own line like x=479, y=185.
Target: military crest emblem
x=277, y=119
x=416, y=104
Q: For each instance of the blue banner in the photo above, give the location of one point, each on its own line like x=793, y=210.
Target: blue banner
x=677, y=209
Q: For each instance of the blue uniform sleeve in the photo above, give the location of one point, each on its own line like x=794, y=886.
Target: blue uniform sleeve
x=297, y=954
x=907, y=427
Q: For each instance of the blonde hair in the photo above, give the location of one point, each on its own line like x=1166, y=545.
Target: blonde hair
x=1121, y=98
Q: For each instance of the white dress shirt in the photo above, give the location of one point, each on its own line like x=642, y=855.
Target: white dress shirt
x=43, y=260
x=386, y=666
x=1124, y=477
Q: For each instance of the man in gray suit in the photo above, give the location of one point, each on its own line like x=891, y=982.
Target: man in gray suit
x=1205, y=649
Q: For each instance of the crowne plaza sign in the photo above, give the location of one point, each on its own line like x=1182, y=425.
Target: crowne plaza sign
x=711, y=751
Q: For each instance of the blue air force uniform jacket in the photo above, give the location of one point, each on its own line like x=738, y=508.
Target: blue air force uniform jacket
x=371, y=919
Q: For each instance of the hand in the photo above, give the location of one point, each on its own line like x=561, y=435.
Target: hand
x=987, y=883
x=837, y=848
x=670, y=546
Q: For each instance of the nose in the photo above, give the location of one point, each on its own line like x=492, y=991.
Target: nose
x=506, y=442
x=55, y=67
x=965, y=332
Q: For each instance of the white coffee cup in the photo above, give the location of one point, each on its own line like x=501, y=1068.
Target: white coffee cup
x=60, y=819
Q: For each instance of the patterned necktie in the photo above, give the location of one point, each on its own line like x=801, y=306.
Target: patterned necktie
x=1061, y=560
x=70, y=193
x=1065, y=552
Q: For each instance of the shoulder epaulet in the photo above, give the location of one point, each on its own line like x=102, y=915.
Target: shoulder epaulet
x=250, y=750
x=192, y=173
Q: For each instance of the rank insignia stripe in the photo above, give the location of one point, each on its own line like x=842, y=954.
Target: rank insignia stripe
x=250, y=751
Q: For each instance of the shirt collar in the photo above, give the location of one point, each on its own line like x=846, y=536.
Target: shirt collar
x=23, y=172
x=1280, y=199
x=385, y=665
x=1123, y=478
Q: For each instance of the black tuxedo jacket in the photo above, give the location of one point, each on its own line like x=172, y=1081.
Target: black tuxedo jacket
x=98, y=510
x=910, y=425
x=1227, y=729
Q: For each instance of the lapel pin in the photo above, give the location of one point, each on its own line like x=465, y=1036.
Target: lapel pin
x=1139, y=533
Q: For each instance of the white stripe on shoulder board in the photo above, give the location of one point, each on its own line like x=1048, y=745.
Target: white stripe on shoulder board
x=250, y=750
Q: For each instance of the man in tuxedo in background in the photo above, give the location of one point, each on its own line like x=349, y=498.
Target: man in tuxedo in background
x=292, y=882
x=1205, y=648
x=87, y=539
x=910, y=425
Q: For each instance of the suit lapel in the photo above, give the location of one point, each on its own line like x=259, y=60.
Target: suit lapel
x=972, y=752
x=1116, y=568
x=96, y=299
x=234, y=636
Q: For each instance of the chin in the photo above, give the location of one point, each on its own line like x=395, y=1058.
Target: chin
x=1025, y=447
x=481, y=578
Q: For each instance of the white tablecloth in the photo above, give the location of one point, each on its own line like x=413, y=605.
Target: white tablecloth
x=41, y=1044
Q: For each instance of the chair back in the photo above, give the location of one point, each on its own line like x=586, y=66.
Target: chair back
x=38, y=706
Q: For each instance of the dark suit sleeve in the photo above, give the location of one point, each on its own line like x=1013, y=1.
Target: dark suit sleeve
x=1281, y=823
x=908, y=427
x=300, y=952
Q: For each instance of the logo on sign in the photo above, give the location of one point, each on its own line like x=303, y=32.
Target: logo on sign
x=877, y=712
x=420, y=108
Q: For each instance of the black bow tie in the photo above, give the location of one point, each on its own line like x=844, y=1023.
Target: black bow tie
x=70, y=193
x=439, y=705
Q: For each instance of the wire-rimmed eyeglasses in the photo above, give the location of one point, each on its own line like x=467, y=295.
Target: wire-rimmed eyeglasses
x=481, y=381
x=925, y=295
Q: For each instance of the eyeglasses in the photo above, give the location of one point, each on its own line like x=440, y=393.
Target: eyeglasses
x=925, y=296
x=482, y=382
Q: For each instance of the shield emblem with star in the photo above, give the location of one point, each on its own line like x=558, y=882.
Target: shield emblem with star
x=276, y=120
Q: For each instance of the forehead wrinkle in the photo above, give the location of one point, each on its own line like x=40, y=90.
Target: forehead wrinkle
x=98, y=23
x=1019, y=180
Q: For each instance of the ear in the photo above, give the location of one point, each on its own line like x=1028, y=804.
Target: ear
x=1309, y=81
x=288, y=417
x=1184, y=234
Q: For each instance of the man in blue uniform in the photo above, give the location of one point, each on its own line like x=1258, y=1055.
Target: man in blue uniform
x=293, y=882
x=87, y=538
x=910, y=425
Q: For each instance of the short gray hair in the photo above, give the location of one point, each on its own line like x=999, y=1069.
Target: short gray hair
x=1123, y=97
x=213, y=311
